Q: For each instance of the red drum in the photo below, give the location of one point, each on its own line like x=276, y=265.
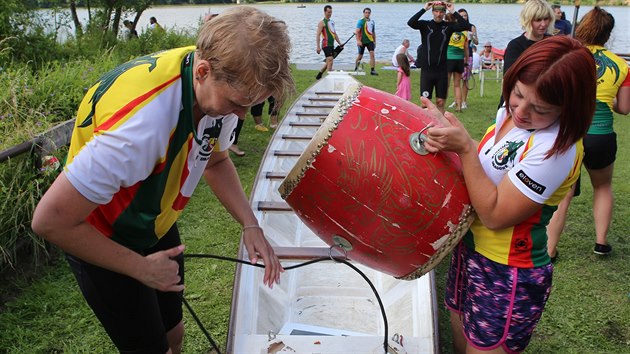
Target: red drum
x=366, y=184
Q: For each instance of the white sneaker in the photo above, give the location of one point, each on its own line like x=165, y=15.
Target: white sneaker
x=452, y=105
x=464, y=105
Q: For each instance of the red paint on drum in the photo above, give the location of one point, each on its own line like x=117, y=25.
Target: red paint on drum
x=367, y=185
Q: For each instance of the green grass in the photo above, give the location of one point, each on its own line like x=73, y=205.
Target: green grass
x=588, y=312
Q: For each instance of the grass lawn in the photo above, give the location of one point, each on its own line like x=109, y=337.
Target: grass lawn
x=588, y=311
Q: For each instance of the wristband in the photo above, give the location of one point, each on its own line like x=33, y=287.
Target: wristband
x=252, y=227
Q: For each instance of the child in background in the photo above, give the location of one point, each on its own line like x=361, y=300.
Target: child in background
x=403, y=84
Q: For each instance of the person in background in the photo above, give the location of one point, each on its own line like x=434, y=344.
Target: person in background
x=273, y=115
x=435, y=35
x=366, y=38
x=500, y=275
x=144, y=136
x=600, y=143
x=236, y=150
x=561, y=25
x=473, y=40
x=537, y=19
x=130, y=31
x=487, y=57
x=326, y=32
x=404, y=49
x=457, y=59
x=154, y=25
x=476, y=60
x=403, y=84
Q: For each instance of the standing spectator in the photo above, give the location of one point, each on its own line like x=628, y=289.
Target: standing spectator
x=536, y=19
x=366, y=38
x=403, y=48
x=403, y=84
x=273, y=114
x=500, y=275
x=326, y=31
x=154, y=25
x=457, y=58
x=144, y=136
x=561, y=25
x=600, y=143
x=435, y=35
x=473, y=40
x=130, y=31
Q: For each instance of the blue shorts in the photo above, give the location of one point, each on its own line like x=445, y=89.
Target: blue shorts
x=499, y=305
x=361, y=48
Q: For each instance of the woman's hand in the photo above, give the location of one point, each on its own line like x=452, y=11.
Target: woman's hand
x=448, y=135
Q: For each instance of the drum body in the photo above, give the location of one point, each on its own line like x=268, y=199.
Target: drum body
x=366, y=184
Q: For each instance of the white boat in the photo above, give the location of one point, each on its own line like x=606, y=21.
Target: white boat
x=326, y=307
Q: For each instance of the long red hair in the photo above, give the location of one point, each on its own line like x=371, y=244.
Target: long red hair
x=563, y=73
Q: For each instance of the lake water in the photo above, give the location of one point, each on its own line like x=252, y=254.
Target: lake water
x=497, y=23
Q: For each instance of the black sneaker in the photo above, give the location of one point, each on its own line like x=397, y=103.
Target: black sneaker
x=603, y=250
x=319, y=75
x=356, y=67
x=373, y=72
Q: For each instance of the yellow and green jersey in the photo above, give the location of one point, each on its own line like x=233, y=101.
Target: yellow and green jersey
x=612, y=72
x=456, y=45
x=367, y=30
x=136, y=149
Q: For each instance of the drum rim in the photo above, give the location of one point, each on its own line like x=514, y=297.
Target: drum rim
x=319, y=140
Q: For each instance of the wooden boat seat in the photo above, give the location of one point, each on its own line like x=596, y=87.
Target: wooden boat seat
x=275, y=175
x=328, y=93
x=328, y=106
x=286, y=153
x=296, y=137
x=305, y=124
x=305, y=253
x=311, y=114
x=323, y=99
x=273, y=206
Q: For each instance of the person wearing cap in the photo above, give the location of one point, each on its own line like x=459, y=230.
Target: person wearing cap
x=435, y=35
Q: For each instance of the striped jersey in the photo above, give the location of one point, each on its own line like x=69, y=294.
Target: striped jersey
x=328, y=33
x=367, y=30
x=520, y=156
x=136, y=149
x=612, y=73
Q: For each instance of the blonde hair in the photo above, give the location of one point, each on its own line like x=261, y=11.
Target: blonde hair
x=249, y=50
x=537, y=10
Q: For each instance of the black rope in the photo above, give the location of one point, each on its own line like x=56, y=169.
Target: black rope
x=316, y=260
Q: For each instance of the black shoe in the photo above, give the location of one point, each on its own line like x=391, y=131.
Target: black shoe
x=373, y=72
x=319, y=75
x=603, y=250
x=356, y=67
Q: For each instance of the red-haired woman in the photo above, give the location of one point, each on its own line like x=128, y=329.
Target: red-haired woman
x=600, y=143
x=500, y=275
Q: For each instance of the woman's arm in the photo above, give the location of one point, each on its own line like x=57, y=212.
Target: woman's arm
x=622, y=101
x=221, y=176
x=497, y=206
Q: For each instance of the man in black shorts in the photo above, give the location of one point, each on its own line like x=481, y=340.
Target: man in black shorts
x=326, y=31
x=366, y=38
x=435, y=35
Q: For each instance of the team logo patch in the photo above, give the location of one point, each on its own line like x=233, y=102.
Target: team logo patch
x=505, y=155
x=530, y=183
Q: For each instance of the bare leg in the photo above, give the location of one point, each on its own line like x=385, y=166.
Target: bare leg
x=357, y=62
x=459, y=342
x=602, y=201
x=372, y=60
x=457, y=87
x=556, y=224
x=175, y=338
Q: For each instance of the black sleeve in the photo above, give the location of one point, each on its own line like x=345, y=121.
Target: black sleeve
x=512, y=52
x=461, y=24
x=414, y=21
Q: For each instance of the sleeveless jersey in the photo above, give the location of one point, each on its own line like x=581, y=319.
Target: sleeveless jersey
x=612, y=72
x=135, y=149
x=328, y=33
x=520, y=156
x=367, y=30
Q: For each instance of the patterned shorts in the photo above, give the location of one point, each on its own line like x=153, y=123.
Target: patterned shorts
x=499, y=305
